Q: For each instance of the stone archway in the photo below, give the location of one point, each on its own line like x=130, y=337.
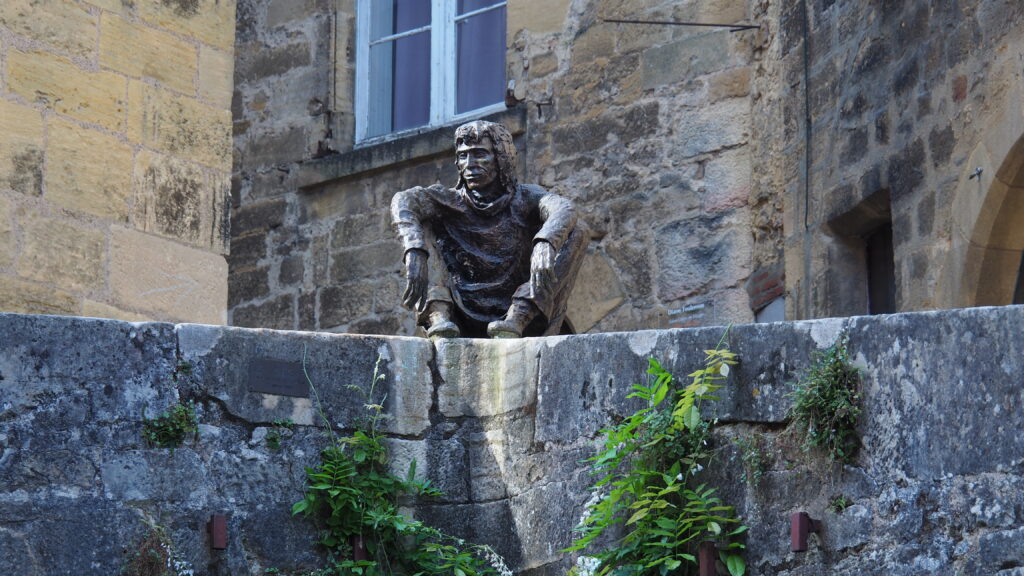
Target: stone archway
x=988, y=218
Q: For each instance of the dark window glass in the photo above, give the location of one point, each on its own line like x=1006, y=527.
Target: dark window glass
x=396, y=16
x=480, y=60
x=471, y=5
x=399, y=84
x=881, y=271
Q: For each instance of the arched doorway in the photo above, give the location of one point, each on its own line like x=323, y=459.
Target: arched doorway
x=988, y=231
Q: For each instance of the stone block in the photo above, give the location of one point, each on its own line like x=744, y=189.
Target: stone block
x=179, y=126
x=88, y=171
x=685, y=59
x=359, y=229
x=209, y=21
x=340, y=369
x=63, y=87
x=112, y=366
x=258, y=216
x=248, y=284
x=596, y=293
x=733, y=83
x=94, y=309
x=132, y=476
x=535, y=18
x=180, y=200
x=21, y=149
x=6, y=233
x=273, y=147
x=52, y=533
x=258, y=62
x=595, y=42
x=471, y=372
x=64, y=24
x=727, y=181
x=372, y=260
x=30, y=298
x=695, y=255
x=344, y=303
x=899, y=393
x=216, y=74
x=142, y=52
x=66, y=254
x=166, y=279
x=292, y=271
x=277, y=314
x=337, y=200
x=714, y=127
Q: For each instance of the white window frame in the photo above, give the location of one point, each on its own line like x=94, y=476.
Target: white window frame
x=443, y=71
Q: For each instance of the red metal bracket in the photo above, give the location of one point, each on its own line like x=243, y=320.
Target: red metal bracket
x=218, y=529
x=800, y=525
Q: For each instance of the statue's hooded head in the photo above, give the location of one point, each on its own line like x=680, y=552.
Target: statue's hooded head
x=504, y=150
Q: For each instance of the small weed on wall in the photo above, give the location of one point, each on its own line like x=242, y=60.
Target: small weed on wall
x=826, y=402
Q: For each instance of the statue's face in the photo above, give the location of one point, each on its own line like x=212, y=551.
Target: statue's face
x=477, y=164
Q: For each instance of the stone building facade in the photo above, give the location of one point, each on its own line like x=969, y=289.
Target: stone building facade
x=115, y=157
x=901, y=116
x=646, y=128
x=726, y=176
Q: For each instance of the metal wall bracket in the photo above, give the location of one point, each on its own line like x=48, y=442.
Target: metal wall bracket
x=800, y=525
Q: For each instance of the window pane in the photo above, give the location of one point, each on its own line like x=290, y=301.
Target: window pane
x=470, y=5
x=399, y=84
x=481, y=60
x=393, y=16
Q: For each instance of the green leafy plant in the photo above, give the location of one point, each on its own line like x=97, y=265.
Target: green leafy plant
x=274, y=435
x=838, y=503
x=755, y=464
x=826, y=402
x=354, y=498
x=172, y=428
x=648, y=466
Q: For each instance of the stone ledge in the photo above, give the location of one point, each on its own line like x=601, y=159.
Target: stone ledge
x=430, y=142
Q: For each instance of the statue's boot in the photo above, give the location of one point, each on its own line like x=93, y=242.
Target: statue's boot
x=441, y=325
x=515, y=322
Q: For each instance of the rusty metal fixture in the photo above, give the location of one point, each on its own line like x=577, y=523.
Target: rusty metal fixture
x=218, y=529
x=707, y=558
x=800, y=525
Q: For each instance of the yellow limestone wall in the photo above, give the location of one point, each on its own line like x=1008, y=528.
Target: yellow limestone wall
x=115, y=157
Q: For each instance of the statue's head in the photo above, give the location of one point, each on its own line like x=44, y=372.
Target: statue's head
x=485, y=155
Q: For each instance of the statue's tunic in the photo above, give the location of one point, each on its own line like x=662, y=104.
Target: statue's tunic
x=486, y=246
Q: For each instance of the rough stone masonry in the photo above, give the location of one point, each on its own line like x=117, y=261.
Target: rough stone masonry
x=501, y=427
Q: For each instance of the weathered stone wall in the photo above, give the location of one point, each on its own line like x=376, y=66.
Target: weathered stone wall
x=902, y=101
x=646, y=128
x=500, y=426
x=115, y=157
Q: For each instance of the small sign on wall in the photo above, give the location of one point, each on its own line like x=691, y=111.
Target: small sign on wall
x=278, y=377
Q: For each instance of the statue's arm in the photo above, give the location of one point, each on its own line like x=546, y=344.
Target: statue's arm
x=559, y=217
x=408, y=209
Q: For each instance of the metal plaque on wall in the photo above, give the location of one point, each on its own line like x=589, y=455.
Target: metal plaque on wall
x=278, y=377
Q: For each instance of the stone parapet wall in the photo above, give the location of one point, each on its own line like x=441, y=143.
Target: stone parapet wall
x=115, y=155
x=501, y=427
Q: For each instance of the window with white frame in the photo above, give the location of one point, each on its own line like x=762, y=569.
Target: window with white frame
x=426, y=63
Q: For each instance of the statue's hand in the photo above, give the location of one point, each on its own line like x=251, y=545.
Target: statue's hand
x=542, y=265
x=415, y=280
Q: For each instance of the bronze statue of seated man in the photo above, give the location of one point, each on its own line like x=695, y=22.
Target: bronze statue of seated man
x=505, y=254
